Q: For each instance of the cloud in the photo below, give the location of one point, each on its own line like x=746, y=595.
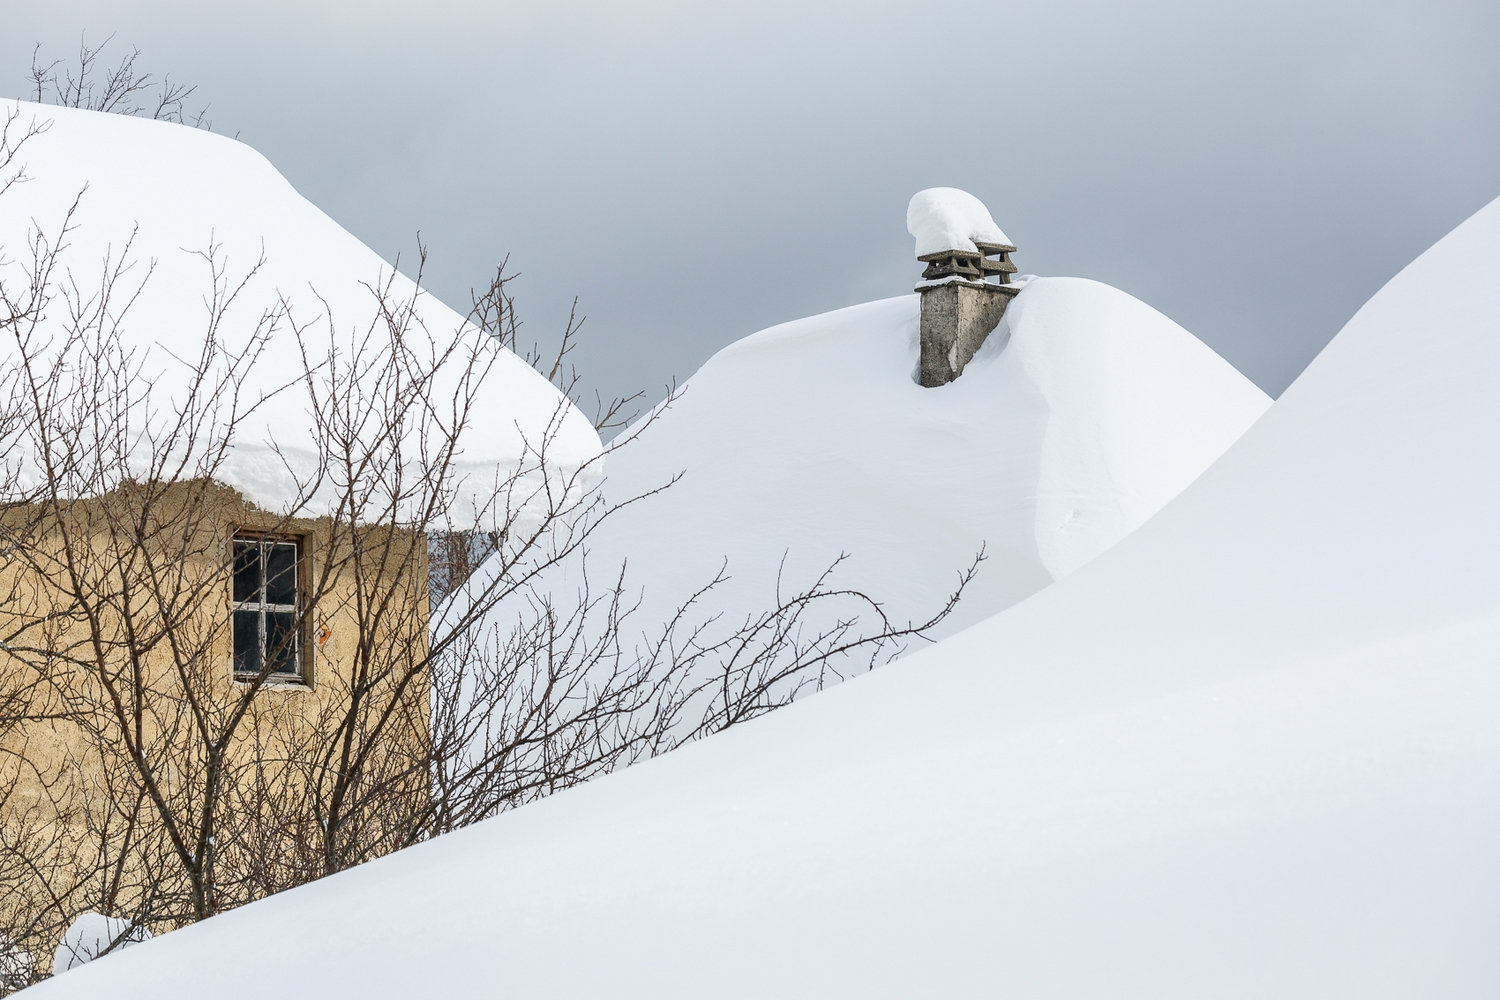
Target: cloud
x=694, y=172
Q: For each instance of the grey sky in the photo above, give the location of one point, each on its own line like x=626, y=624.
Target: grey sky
x=694, y=172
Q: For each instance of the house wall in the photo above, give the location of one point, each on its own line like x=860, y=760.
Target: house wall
x=88, y=675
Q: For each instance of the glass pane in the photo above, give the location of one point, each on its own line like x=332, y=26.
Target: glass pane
x=281, y=573
x=247, y=642
x=281, y=642
x=246, y=570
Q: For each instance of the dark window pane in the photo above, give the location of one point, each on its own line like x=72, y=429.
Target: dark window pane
x=247, y=642
x=281, y=573
x=246, y=570
x=281, y=642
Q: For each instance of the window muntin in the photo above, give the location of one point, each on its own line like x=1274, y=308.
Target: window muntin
x=265, y=605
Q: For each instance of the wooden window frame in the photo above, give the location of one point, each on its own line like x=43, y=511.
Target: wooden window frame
x=301, y=675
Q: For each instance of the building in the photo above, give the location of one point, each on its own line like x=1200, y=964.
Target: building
x=221, y=465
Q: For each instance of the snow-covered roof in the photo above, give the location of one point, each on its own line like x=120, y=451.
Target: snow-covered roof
x=1086, y=411
x=1251, y=750
x=181, y=191
x=945, y=218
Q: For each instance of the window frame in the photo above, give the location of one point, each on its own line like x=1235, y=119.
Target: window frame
x=301, y=674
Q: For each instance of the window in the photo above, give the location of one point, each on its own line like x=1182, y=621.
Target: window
x=266, y=607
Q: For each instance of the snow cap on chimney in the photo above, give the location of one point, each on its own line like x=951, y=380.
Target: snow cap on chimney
x=944, y=219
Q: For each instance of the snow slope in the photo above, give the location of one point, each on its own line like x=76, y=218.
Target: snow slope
x=1250, y=751
x=1083, y=414
x=181, y=191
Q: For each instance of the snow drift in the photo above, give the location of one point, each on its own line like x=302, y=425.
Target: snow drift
x=1082, y=415
x=171, y=194
x=1250, y=751
x=92, y=936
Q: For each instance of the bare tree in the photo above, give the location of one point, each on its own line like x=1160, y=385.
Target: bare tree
x=87, y=83
x=150, y=771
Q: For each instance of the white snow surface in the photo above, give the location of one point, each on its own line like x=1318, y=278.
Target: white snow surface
x=1250, y=751
x=944, y=218
x=1082, y=415
x=182, y=191
x=90, y=936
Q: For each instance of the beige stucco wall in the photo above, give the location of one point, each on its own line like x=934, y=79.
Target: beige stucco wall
x=61, y=781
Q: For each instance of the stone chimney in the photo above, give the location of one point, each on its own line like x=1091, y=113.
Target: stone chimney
x=966, y=285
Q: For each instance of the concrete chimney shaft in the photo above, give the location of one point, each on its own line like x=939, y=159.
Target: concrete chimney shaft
x=960, y=308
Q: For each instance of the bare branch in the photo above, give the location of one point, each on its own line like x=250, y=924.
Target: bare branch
x=122, y=89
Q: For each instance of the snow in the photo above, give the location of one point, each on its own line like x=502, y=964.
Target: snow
x=1249, y=751
x=1083, y=414
x=182, y=191
x=16, y=964
x=945, y=218
x=90, y=935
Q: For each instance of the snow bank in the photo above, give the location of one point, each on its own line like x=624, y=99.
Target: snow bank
x=949, y=219
x=90, y=936
x=16, y=964
x=181, y=191
x=1079, y=419
x=1250, y=751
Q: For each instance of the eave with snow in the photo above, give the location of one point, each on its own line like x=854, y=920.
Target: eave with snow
x=167, y=197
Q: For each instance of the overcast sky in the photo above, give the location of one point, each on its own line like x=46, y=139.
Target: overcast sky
x=694, y=172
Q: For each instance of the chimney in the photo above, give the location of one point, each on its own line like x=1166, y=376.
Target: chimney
x=966, y=285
